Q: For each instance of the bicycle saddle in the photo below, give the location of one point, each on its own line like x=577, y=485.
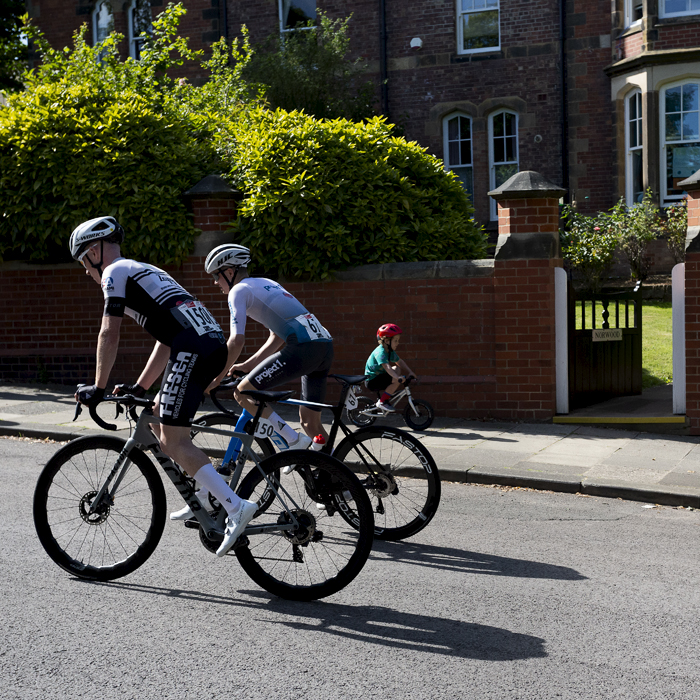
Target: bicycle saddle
x=351, y=379
x=267, y=396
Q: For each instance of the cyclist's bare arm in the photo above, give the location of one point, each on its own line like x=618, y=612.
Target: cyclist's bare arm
x=406, y=369
x=271, y=346
x=107, y=347
x=155, y=365
x=234, y=346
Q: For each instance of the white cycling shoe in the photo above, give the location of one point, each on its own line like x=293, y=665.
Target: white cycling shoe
x=303, y=443
x=184, y=514
x=385, y=408
x=235, y=524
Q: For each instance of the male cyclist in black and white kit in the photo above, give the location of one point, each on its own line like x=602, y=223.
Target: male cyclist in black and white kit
x=190, y=347
x=298, y=345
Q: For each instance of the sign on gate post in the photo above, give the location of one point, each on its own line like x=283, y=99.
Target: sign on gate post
x=602, y=334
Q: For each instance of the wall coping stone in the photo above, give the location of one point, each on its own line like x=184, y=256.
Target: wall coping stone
x=442, y=269
x=527, y=184
x=692, y=240
x=527, y=246
x=691, y=183
x=213, y=187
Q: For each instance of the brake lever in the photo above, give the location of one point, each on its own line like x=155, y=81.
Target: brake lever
x=78, y=410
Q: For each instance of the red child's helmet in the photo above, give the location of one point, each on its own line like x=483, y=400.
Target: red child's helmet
x=388, y=330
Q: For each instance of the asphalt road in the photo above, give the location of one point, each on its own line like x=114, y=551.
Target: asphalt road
x=507, y=594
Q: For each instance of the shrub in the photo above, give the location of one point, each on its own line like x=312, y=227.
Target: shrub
x=323, y=195
x=93, y=136
x=675, y=229
x=588, y=245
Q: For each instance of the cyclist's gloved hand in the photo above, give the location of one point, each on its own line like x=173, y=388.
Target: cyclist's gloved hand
x=133, y=389
x=89, y=394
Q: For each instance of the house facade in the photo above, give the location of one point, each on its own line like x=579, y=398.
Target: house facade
x=600, y=97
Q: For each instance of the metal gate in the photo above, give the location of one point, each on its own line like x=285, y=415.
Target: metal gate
x=605, y=346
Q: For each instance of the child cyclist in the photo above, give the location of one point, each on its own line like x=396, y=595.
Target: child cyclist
x=384, y=370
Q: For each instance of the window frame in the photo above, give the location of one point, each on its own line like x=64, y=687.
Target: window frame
x=460, y=29
x=134, y=39
x=493, y=209
x=629, y=11
x=664, y=15
x=637, y=95
x=283, y=31
x=95, y=14
x=666, y=198
x=446, y=148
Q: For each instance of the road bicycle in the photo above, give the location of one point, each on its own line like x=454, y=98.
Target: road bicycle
x=417, y=414
x=100, y=508
x=396, y=469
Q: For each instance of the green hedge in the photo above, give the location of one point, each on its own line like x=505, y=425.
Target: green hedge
x=322, y=195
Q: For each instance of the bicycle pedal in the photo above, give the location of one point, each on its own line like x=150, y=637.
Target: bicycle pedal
x=192, y=523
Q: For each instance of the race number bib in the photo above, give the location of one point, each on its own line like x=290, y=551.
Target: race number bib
x=264, y=429
x=196, y=316
x=351, y=400
x=315, y=330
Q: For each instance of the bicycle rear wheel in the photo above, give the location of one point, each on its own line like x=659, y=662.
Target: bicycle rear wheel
x=323, y=554
x=400, y=476
x=119, y=536
x=357, y=416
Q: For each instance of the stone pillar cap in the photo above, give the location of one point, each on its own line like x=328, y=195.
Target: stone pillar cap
x=213, y=187
x=527, y=184
x=691, y=183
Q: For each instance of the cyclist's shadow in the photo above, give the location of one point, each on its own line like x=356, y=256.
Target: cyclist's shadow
x=451, y=559
x=370, y=624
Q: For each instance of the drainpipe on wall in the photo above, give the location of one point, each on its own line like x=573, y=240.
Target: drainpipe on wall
x=564, y=100
x=382, y=58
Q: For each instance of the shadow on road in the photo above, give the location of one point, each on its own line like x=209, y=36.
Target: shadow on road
x=470, y=562
x=371, y=624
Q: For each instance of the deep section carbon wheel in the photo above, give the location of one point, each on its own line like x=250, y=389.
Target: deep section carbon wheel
x=120, y=533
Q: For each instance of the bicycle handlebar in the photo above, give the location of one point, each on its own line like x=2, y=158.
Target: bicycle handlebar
x=126, y=399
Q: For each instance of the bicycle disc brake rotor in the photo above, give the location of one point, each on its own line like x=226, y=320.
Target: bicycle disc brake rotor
x=307, y=526
x=98, y=516
x=383, y=485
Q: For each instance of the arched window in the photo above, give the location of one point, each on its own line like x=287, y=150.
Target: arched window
x=503, y=151
x=680, y=136
x=139, y=21
x=102, y=22
x=457, y=147
x=677, y=8
x=634, y=144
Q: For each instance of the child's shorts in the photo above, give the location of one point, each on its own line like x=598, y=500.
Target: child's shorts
x=380, y=382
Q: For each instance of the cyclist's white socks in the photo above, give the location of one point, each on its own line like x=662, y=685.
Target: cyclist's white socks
x=202, y=495
x=289, y=434
x=214, y=483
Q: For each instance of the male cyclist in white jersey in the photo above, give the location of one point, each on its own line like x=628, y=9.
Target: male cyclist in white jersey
x=298, y=345
x=190, y=347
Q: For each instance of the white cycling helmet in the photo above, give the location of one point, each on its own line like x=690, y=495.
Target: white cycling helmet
x=226, y=255
x=94, y=230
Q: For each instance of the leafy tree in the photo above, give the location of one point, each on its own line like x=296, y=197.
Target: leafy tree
x=308, y=70
x=13, y=51
x=675, y=229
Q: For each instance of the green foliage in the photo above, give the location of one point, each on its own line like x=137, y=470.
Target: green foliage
x=675, y=229
x=13, y=52
x=93, y=135
x=308, y=70
x=637, y=226
x=329, y=194
x=588, y=245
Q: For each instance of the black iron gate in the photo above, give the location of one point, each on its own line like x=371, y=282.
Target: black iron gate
x=605, y=346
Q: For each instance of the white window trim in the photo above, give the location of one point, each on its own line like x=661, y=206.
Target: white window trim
x=492, y=164
x=284, y=31
x=629, y=192
x=446, y=145
x=667, y=199
x=460, y=37
x=132, y=38
x=629, y=7
x=663, y=14
x=95, y=14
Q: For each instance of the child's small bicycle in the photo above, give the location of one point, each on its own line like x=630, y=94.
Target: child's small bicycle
x=417, y=415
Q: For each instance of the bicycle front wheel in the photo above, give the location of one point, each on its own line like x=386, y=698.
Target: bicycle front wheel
x=118, y=536
x=400, y=476
x=418, y=416
x=321, y=554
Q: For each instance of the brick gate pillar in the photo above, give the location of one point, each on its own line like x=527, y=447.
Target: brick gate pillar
x=214, y=203
x=692, y=303
x=526, y=256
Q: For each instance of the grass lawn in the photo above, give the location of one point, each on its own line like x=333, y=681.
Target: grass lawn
x=657, y=351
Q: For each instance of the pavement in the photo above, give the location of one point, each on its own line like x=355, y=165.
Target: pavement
x=589, y=458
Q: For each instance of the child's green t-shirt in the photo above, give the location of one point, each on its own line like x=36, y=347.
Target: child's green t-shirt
x=373, y=366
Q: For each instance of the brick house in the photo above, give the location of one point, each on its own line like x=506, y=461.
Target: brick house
x=488, y=85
